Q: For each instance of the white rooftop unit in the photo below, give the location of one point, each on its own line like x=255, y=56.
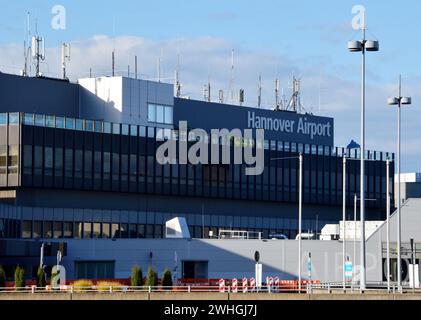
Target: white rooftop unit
x=177, y=228
x=409, y=177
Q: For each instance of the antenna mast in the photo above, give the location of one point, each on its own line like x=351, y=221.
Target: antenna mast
x=38, y=54
x=65, y=55
x=232, y=77
x=277, y=102
x=135, y=67
x=259, y=92
x=177, y=78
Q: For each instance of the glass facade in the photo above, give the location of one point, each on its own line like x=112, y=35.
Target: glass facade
x=77, y=154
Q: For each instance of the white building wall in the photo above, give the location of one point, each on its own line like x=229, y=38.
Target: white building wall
x=122, y=100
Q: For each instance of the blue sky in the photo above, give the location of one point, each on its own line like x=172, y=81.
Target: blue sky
x=275, y=37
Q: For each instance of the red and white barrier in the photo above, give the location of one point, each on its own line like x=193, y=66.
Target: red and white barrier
x=234, y=286
x=252, y=284
x=269, y=282
x=222, y=286
x=277, y=282
x=245, y=285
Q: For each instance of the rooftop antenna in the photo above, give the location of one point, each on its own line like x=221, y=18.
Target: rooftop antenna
x=259, y=92
x=159, y=65
x=241, y=97
x=207, y=92
x=277, y=102
x=65, y=55
x=221, y=96
x=113, y=53
x=113, y=63
x=26, y=45
x=232, y=77
x=295, y=101
x=177, y=85
x=135, y=67
x=38, y=52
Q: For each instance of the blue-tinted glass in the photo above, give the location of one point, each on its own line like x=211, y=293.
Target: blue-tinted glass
x=160, y=114
x=125, y=129
x=151, y=132
x=89, y=125
x=152, y=113
x=50, y=121
x=168, y=115
x=28, y=119
x=107, y=127
x=60, y=122
x=142, y=131
x=133, y=131
x=79, y=124
x=116, y=128
x=70, y=123
x=39, y=120
x=3, y=118
x=13, y=118
x=98, y=126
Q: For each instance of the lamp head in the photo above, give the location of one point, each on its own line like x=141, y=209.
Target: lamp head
x=355, y=46
x=372, y=45
x=393, y=101
x=406, y=100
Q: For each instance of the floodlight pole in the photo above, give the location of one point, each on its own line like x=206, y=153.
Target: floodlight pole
x=344, y=221
x=300, y=218
x=399, y=101
x=388, y=223
x=363, y=46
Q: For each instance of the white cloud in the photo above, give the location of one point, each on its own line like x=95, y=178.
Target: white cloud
x=210, y=57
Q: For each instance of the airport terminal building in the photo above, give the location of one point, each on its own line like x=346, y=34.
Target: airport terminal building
x=77, y=163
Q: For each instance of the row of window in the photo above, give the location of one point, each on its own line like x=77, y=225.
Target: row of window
x=160, y=114
x=322, y=175
x=32, y=229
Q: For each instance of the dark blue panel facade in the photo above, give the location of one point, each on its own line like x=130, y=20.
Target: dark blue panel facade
x=278, y=125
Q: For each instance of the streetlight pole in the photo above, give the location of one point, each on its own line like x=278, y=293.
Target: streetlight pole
x=388, y=223
x=344, y=227
x=300, y=219
x=363, y=46
x=355, y=232
x=399, y=101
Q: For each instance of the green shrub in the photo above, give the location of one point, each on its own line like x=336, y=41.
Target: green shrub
x=136, y=279
x=152, y=278
x=41, y=282
x=2, y=277
x=20, y=278
x=167, y=278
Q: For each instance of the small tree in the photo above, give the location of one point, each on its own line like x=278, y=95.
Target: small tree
x=152, y=278
x=136, y=279
x=41, y=282
x=167, y=278
x=2, y=278
x=19, y=277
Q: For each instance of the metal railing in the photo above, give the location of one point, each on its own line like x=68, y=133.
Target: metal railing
x=309, y=289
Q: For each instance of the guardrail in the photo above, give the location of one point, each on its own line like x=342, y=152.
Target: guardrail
x=309, y=288
x=149, y=289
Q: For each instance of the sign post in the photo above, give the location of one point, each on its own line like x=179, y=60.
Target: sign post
x=349, y=270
